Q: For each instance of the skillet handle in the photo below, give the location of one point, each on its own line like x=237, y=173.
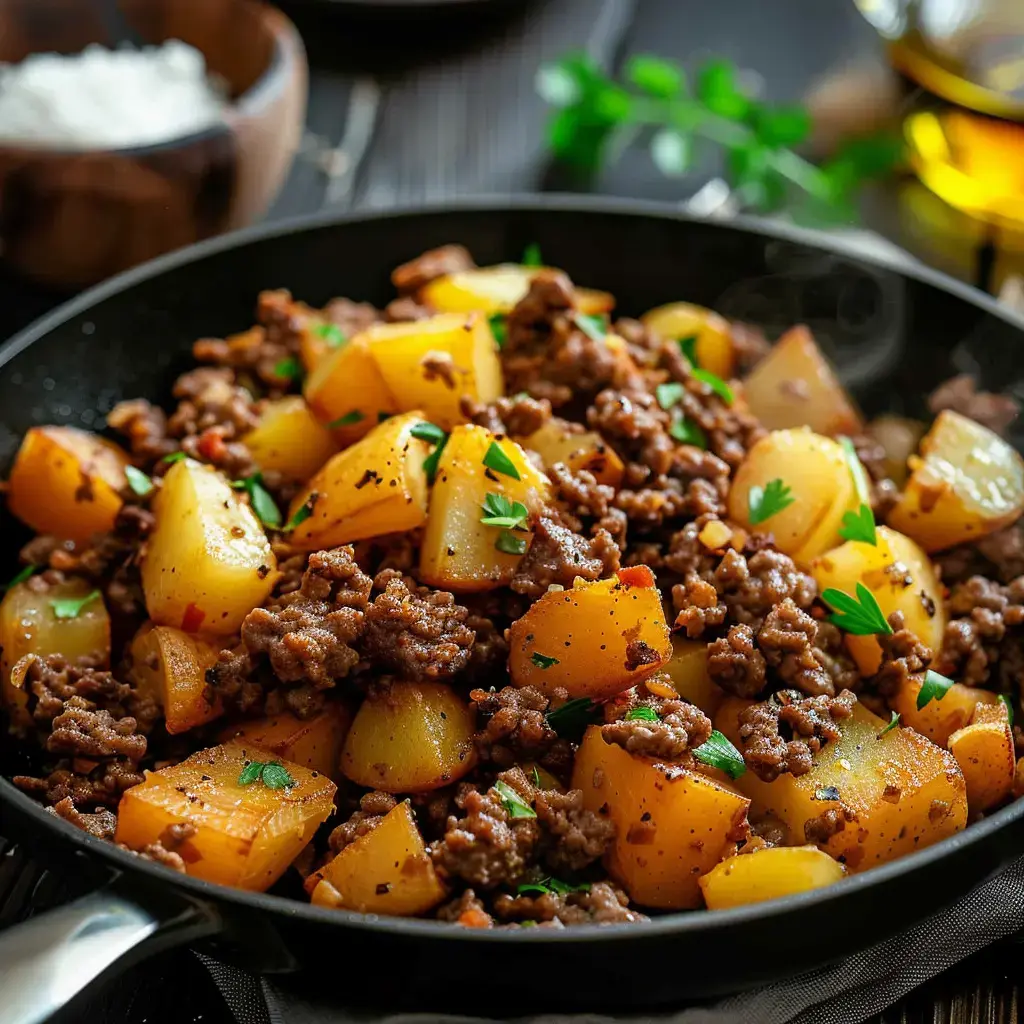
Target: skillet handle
x=50, y=958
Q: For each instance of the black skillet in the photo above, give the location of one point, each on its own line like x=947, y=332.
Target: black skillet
x=894, y=334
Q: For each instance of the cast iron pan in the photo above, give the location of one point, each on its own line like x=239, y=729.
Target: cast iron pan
x=893, y=334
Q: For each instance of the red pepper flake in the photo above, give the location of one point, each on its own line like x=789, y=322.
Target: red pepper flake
x=192, y=619
x=211, y=445
x=636, y=576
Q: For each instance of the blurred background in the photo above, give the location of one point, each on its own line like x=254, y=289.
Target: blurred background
x=155, y=123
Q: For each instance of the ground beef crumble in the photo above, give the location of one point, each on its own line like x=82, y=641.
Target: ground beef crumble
x=680, y=728
x=961, y=395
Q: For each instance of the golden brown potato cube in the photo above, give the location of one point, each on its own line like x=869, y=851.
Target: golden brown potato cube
x=170, y=666
x=672, y=824
x=713, y=347
x=594, y=639
x=794, y=386
x=347, y=393
x=433, y=364
x=967, y=482
x=66, y=482
x=387, y=871
x=315, y=743
x=247, y=835
x=939, y=718
x=985, y=752
x=29, y=625
x=902, y=578
x=376, y=486
x=410, y=738
x=768, y=874
x=688, y=670
x=208, y=562
x=905, y=791
x=821, y=486
x=584, y=450
x=289, y=440
x=459, y=551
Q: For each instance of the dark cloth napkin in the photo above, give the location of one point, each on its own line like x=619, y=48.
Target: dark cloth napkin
x=850, y=992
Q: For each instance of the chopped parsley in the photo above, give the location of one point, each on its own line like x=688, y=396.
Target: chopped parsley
x=273, y=775
x=1004, y=699
x=499, y=327
x=71, y=607
x=496, y=459
x=138, y=481
x=551, y=885
x=858, y=616
x=714, y=382
x=513, y=802
x=289, y=369
x=571, y=719
x=499, y=511
x=685, y=431
x=718, y=752
x=934, y=687
x=23, y=575
x=531, y=256
x=430, y=463
x=303, y=512
x=174, y=457
x=688, y=346
x=859, y=525
x=642, y=714
x=428, y=432
x=593, y=327
x=860, y=479
x=542, y=660
x=509, y=544
x=535, y=776
x=765, y=502
x=331, y=333
x=262, y=503
x=669, y=393
x=348, y=420
x=893, y=722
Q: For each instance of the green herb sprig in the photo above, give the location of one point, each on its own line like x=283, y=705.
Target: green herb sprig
x=893, y=722
x=859, y=525
x=551, y=885
x=642, y=714
x=858, y=616
x=350, y=419
x=934, y=687
x=513, y=803
x=71, y=607
x=272, y=774
x=302, y=513
x=289, y=368
x=765, y=502
x=594, y=327
x=718, y=752
x=262, y=503
x=496, y=459
x=23, y=574
x=532, y=256
x=571, y=719
x=331, y=333
x=499, y=328
x=543, y=661
x=1008, y=704
x=138, y=481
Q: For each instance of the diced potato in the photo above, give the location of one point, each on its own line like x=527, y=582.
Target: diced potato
x=688, y=670
x=170, y=666
x=606, y=636
x=433, y=364
x=902, y=578
x=496, y=290
x=66, y=482
x=585, y=450
x=376, y=486
x=899, y=437
x=410, y=738
x=289, y=440
x=387, y=871
x=905, y=791
x=939, y=719
x=29, y=625
x=768, y=874
x=315, y=743
x=816, y=470
x=458, y=551
x=247, y=835
x=318, y=340
x=714, y=348
x=966, y=483
x=985, y=752
x=672, y=825
x=208, y=562
x=347, y=392
x=794, y=386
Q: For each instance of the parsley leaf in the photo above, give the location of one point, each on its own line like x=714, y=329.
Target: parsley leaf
x=290, y=368
x=685, y=431
x=71, y=607
x=765, y=502
x=669, y=393
x=593, y=327
x=688, y=346
x=303, y=512
x=499, y=511
x=860, y=478
x=858, y=616
x=718, y=752
x=859, y=525
x=934, y=687
x=535, y=776
x=642, y=714
x=23, y=575
x=531, y=256
x=262, y=503
x=551, y=885
x=1008, y=704
x=513, y=802
x=174, y=457
x=571, y=719
x=893, y=722
x=273, y=774
x=496, y=459
x=348, y=420
x=499, y=328
x=510, y=544
x=431, y=461
x=331, y=333
x=428, y=432
x=138, y=481
x=250, y=773
x=542, y=660
x=714, y=382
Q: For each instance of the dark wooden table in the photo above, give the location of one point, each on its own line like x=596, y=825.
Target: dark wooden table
x=424, y=105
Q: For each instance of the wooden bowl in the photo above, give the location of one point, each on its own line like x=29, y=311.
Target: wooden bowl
x=70, y=219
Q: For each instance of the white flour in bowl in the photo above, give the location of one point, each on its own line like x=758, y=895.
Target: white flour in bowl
x=108, y=99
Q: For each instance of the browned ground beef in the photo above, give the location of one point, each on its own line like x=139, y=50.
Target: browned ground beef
x=787, y=640
x=679, y=729
x=735, y=664
x=435, y=263
x=961, y=394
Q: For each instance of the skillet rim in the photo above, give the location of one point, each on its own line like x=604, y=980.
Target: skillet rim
x=677, y=923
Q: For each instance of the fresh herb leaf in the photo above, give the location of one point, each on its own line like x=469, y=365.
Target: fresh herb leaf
x=510, y=544
x=551, y=885
x=22, y=575
x=499, y=511
x=571, y=719
x=893, y=722
x=860, y=477
x=428, y=432
x=138, y=481
x=765, y=502
x=859, y=525
x=513, y=802
x=655, y=76
x=714, y=382
x=531, y=256
x=250, y=773
x=934, y=687
x=71, y=607
x=535, y=776
x=174, y=457
x=290, y=368
x=273, y=774
x=688, y=346
x=303, y=512
x=499, y=328
x=1008, y=704
x=496, y=459
x=593, y=327
x=431, y=461
x=331, y=333
x=858, y=616
x=348, y=420
x=382, y=416
x=685, y=431
x=718, y=752
x=542, y=660
x=642, y=714
x=669, y=393
x=262, y=503
x=826, y=793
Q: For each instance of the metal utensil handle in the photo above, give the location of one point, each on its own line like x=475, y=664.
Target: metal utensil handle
x=50, y=958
